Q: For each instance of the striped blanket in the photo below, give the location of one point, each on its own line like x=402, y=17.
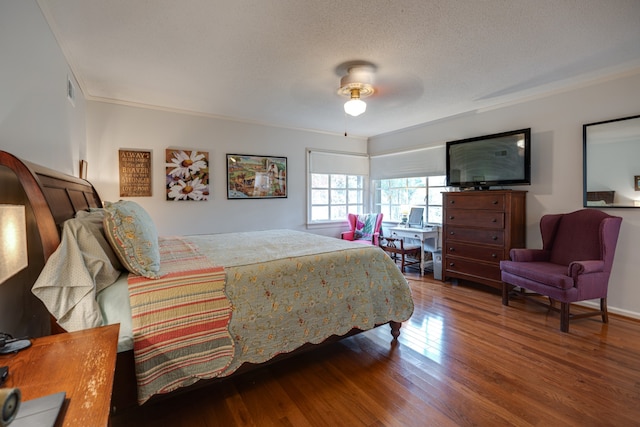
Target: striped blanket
x=180, y=321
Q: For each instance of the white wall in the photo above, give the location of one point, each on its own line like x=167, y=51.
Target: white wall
x=112, y=127
x=556, y=124
x=37, y=122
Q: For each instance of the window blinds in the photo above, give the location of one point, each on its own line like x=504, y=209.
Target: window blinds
x=418, y=162
x=338, y=163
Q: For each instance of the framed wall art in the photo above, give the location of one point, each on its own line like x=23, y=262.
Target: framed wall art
x=256, y=177
x=83, y=169
x=135, y=173
x=187, y=175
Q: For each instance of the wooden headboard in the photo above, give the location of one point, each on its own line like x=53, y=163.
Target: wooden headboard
x=605, y=196
x=50, y=198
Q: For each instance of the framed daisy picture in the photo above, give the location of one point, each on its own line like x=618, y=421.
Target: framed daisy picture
x=187, y=175
x=256, y=177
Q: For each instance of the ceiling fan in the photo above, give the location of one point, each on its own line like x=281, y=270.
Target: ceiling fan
x=391, y=86
x=357, y=84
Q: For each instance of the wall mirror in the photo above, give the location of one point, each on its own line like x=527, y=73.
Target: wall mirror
x=611, y=168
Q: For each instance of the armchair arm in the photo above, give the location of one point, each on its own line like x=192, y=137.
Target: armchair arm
x=375, y=239
x=584, y=267
x=528, y=255
x=347, y=235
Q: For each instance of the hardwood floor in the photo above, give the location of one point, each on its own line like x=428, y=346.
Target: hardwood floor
x=462, y=359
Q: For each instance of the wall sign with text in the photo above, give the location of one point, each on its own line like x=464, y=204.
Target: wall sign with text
x=135, y=173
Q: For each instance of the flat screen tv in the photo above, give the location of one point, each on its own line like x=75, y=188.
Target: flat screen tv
x=491, y=160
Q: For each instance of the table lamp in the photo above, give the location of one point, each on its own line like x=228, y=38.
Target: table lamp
x=13, y=241
x=13, y=258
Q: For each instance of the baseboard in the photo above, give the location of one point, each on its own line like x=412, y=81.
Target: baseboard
x=611, y=310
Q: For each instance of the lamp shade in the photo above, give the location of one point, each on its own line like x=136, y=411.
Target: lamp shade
x=355, y=107
x=13, y=241
x=357, y=84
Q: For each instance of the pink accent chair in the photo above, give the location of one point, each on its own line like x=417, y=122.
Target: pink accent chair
x=573, y=265
x=367, y=231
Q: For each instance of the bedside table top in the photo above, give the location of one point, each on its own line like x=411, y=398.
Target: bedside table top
x=82, y=364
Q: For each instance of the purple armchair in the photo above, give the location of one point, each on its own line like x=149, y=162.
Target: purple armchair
x=365, y=228
x=573, y=265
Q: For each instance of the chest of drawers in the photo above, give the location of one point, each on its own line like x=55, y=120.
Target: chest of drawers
x=479, y=229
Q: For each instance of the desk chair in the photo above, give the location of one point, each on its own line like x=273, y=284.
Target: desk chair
x=395, y=247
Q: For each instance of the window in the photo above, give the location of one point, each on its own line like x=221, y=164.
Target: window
x=337, y=184
x=394, y=197
x=435, y=188
x=333, y=196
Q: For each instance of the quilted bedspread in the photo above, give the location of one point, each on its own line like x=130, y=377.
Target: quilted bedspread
x=281, y=289
x=288, y=288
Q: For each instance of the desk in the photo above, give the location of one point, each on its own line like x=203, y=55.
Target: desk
x=421, y=234
x=80, y=363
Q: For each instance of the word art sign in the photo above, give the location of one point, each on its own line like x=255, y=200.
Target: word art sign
x=135, y=173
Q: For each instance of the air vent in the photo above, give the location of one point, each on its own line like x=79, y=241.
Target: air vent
x=71, y=91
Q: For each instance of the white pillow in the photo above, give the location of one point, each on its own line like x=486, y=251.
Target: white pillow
x=67, y=283
x=101, y=261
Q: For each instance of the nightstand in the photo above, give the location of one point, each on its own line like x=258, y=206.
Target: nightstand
x=82, y=364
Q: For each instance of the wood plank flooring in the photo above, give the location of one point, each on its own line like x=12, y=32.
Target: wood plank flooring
x=462, y=359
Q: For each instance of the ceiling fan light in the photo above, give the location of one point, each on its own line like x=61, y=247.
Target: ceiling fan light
x=355, y=107
x=356, y=84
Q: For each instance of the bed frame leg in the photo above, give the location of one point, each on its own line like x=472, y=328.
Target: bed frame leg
x=395, y=329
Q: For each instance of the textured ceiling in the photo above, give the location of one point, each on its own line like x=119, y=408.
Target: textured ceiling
x=279, y=61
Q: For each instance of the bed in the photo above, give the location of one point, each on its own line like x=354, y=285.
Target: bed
x=270, y=294
x=600, y=198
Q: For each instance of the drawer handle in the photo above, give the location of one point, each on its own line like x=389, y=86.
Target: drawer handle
x=452, y=202
x=451, y=217
x=495, y=202
x=494, y=238
x=452, y=233
x=494, y=256
x=451, y=264
x=494, y=220
x=452, y=250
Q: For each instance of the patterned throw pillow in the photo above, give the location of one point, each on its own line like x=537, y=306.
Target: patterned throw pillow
x=365, y=225
x=133, y=237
